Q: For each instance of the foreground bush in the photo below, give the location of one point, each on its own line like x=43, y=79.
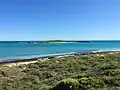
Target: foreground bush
x=67, y=84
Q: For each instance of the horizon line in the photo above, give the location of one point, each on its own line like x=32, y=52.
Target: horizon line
x=61, y=40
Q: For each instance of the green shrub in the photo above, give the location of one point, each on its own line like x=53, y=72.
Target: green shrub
x=44, y=87
x=80, y=75
x=110, y=65
x=112, y=81
x=91, y=82
x=67, y=84
x=112, y=72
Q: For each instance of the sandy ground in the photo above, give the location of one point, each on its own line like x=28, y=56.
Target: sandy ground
x=23, y=63
x=19, y=63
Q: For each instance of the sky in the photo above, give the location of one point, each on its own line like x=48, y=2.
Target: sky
x=59, y=19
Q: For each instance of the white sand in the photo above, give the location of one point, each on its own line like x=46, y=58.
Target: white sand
x=19, y=63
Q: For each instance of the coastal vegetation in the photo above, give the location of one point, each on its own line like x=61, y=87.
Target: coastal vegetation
x=55, y=41
x=45, y=41
x=51, y=41
x=58, y=41
x=99, y=71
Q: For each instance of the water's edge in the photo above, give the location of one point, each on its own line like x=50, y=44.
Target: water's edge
x=50, y=56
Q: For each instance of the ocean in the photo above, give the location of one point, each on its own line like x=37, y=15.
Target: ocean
x=12, y=50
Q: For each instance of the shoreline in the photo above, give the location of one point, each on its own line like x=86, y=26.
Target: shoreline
x=49, y=56
x=34, y=60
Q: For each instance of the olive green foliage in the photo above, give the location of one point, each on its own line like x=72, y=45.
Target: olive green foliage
x=48, y=41
x=67, y=84
x=83, y=72
x=90, y=82
x=55, y=41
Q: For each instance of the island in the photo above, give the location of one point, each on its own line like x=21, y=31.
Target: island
x=57, y=41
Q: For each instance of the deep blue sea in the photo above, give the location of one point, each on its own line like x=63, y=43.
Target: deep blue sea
x=14, y=50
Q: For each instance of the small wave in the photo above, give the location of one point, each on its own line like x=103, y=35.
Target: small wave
x=17, y=58
x=31, y=56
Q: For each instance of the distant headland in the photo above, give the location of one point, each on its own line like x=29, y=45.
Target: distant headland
x=54, y=41
x=46, y=41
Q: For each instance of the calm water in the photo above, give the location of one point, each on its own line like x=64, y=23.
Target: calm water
x=13, y=50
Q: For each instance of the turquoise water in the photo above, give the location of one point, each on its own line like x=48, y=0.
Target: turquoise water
x=13, y=50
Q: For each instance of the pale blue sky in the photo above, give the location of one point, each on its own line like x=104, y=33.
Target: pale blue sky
x=59, y=19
